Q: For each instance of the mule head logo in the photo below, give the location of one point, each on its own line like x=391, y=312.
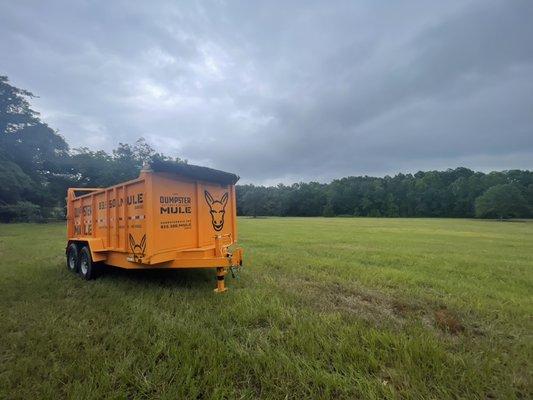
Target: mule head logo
x=217, y=208
x=138, y=249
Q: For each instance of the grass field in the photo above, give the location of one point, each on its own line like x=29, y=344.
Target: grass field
x=327, y=308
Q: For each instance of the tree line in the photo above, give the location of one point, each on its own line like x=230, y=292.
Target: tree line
x=37, y=166
x=458, y=192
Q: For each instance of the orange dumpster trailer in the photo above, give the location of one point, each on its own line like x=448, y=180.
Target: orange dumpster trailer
x=172, y=216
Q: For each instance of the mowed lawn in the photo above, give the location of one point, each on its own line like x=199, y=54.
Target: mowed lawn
x=326, y=308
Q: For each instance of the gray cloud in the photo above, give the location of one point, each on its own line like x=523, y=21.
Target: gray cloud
x=284, y=92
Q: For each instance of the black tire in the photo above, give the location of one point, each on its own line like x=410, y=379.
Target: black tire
x=86, y=269
x=72, y=258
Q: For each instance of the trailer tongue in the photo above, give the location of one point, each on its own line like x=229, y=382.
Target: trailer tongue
x=172, y=216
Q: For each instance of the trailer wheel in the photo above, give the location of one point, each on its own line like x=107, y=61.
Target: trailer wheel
x=87, y=268
x=72, y=258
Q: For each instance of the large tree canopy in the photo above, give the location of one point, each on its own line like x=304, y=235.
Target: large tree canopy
x=24, y=138
x=15, y=110
x=30, y=154
x=502, y=201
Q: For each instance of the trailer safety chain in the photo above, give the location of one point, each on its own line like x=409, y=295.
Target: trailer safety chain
x=234, y=272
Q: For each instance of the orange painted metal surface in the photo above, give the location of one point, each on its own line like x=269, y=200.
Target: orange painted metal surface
x=159, y=220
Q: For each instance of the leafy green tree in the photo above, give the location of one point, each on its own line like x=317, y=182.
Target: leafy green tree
x=529, y=196
x=391, y=208
x=502, y=201
x=24, y=138
x=328, y=210
x=15, y=110
x=31, y=145
x=15, y=185
x=253, y=202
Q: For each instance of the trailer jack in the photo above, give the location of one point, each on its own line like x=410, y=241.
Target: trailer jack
x=221, y=286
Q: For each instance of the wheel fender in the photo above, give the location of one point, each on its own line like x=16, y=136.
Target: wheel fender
x=96, y=248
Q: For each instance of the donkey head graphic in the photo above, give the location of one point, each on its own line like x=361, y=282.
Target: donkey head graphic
x=217, y=208
x=138, y=249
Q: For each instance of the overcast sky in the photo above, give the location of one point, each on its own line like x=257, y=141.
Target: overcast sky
x=284, y=91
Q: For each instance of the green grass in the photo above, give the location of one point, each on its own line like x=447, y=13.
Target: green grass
x=326, y=308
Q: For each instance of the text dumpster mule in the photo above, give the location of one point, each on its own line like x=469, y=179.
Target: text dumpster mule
x=172, y=216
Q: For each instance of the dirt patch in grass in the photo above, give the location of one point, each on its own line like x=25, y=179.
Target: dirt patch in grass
x=404, y=309
x=371, y=306
x=448, y=321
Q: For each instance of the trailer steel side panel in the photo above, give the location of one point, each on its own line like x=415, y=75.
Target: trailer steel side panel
x=169, y=217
